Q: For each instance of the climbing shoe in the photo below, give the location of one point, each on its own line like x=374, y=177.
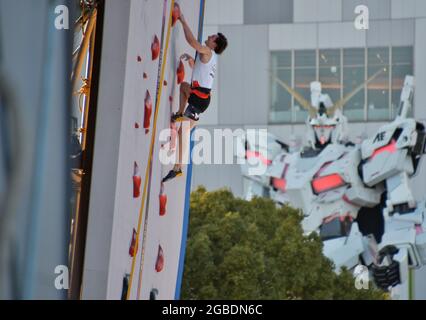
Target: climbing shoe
x=177, y=117
x=172, y=174
x=191, y=114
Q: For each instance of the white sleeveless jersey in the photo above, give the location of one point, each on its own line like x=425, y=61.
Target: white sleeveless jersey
x=204, y=73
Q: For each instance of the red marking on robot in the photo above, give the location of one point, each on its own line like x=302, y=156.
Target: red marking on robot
x=327, y=183
x=148, y=111
x=255, y=154
x=330, y=218
x=155, y=48
x=391, y=148
x=134, y=244
x=159, y=264
x=281, y=184
x=180, y=72
x=346, y=199
x=346, y=216
x=136, y=181
x=324, y=126
x=342, y=218
x=175, y=14
x=163, y=202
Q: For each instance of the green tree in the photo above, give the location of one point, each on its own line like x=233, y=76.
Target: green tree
x=241, y=249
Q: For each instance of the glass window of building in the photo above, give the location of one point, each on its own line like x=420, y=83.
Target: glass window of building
x=378, y=97
x=402, y=65
x=330, y=73
x=281, y=100
x=305, y=71
x=353, y=76
x=340, y=72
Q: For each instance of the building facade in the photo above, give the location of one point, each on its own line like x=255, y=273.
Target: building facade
x=311, y=40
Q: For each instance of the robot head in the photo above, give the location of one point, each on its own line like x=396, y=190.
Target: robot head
x=323, y=126
x=326, y=124
x=324, y=129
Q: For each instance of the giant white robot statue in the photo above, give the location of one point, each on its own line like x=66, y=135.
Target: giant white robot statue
x=357, y=197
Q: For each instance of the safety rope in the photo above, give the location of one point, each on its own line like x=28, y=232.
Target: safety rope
x=162, y=64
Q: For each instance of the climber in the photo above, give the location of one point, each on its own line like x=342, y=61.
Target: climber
x=196, y=95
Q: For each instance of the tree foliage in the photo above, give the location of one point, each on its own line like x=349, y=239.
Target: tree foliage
x=241, y=249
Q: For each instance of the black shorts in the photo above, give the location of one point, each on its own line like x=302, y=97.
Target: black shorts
x=197, y=104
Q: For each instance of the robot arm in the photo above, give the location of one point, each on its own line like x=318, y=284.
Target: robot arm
x=257, y=151
x=390, y=158
x=403, y=246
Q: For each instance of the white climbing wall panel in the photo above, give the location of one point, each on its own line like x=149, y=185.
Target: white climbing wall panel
x=128, y=72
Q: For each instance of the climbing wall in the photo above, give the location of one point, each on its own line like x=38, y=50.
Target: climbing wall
x=137, y=226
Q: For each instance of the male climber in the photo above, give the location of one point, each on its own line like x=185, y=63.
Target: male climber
x=196, y=95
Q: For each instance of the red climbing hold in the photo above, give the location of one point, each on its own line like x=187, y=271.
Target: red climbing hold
x=175, y=14
x=136, y=181
x=139, y=59
x=155, y=48
x=163, y=202
x=145, y=76
x=159, y=264
x=165, y=83
x=180, y=72
x=136, y=125
x=134, y=244
x=148, y=111
x=170, y=99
